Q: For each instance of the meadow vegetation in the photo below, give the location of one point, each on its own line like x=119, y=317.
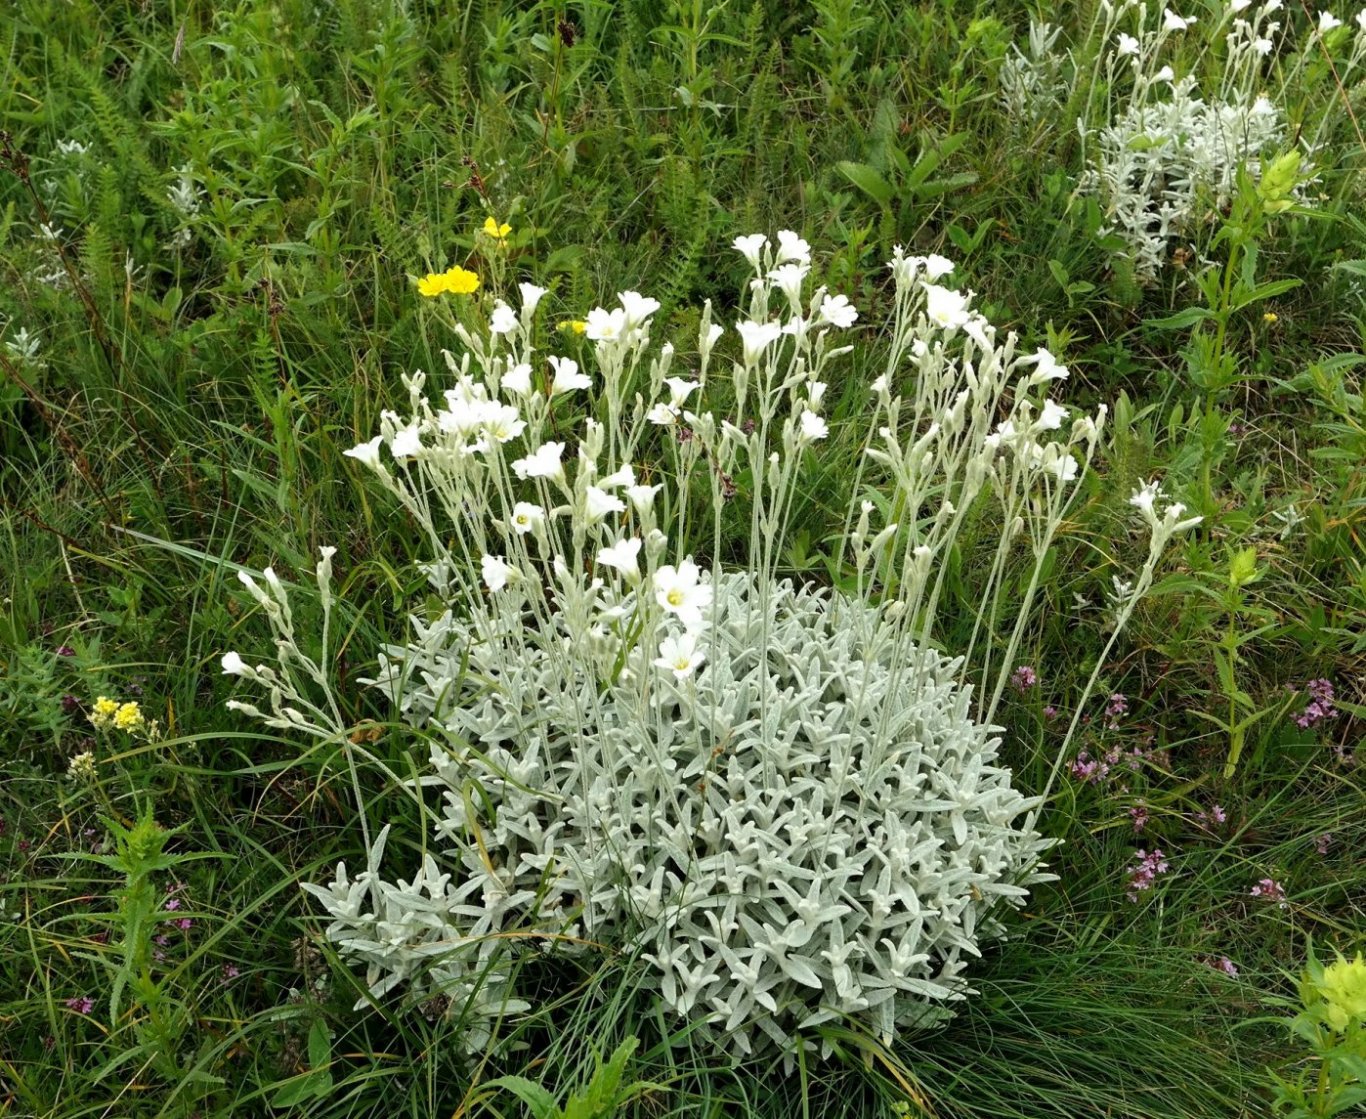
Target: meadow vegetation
x=228, y=233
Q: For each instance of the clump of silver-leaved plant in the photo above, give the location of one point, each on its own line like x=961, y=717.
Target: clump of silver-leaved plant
x=779, y=798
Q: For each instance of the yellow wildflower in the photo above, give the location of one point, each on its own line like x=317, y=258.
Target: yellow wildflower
x=578, y=326
x=496, y=231
x=129, y=717
x=456, y=281
x=1343, y=987
x=1269, y=316
x=104, y=711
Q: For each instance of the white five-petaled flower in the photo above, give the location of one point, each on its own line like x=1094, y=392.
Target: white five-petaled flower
x=605, y=326
x=367, y=453
x=752, y=248
x=1327, y=22
x=643, y=497
x=792, y=247
x=637, y=307
x=1064, y=467
x=621, y=556
x=1166, y=74
x=937, y=267
x=598, y=503
x=1050, y=419
x=517, y=379
x=680, y=390
x=1237, y=6
x=497, y=572
x=544, y=462
x=567, y=376
x=945, y=307
x=756, y=337
x=1127, y=44
x=838, y=311
x=626, y=476
x=789, y=277
x=679, y=654
x=526, y=517
x=503, y=320
x=662, y=414
x=812, y=427
x=233, y=664
x=405, y=442
x=1361, y=20
x=681, y=592
x=531, y=296
x=503, y=422
x=1046, y=367
x=1173, y=22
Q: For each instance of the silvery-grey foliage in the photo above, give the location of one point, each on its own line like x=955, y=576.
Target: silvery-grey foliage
x=797, y=833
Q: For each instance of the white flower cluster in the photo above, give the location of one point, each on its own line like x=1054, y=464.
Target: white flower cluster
x=781, y=799
x=1168, y=152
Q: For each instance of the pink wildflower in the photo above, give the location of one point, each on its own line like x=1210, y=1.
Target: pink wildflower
x=81, y=1004
x=1144, y=873
x=1023, y=678
x=1271, y=890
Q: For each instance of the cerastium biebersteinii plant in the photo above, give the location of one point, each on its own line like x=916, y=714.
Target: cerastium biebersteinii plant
x=780, y=796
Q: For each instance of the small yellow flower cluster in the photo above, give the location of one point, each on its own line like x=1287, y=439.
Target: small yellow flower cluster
x=577, y=326
x=1343, y=990
x=455, y=281
x=496, y=231
x=102, y=714
x=126, y=717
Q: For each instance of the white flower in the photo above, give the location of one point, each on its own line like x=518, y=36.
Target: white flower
x=1327, y=22
x=1127, y=44
x=637, y=307
x=367, y=453
x=518, y=379
x=503, y=320
x=531, y=296
x=605, y=326
x=756, y=337
x=838, y=311
x=937, y=267
x=1046, y=367
x=544, y=462
x=1052, y=416
x=662, y=414
x=598, y=503
x=622, y=557
x=812, y=428
x=626, y=476
x=1143, y=498
x=497, y=571
x=1064, y=467
x=789, y=278
x=752, y=247
x=679, y=654
x=526, y=517
x=944, y=307
x=680, y=390
x=1262, y=46
x=233, y=665
x=1166, y=74
x=792, y=247
x=643, y=497
x=503, y=422
x=1173, y=22
x=680, y=592
x=1239, y=5
x=567, y=376
x=405, y=442
x=1361, y=19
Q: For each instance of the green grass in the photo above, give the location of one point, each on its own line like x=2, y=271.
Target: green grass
x=188, y=414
